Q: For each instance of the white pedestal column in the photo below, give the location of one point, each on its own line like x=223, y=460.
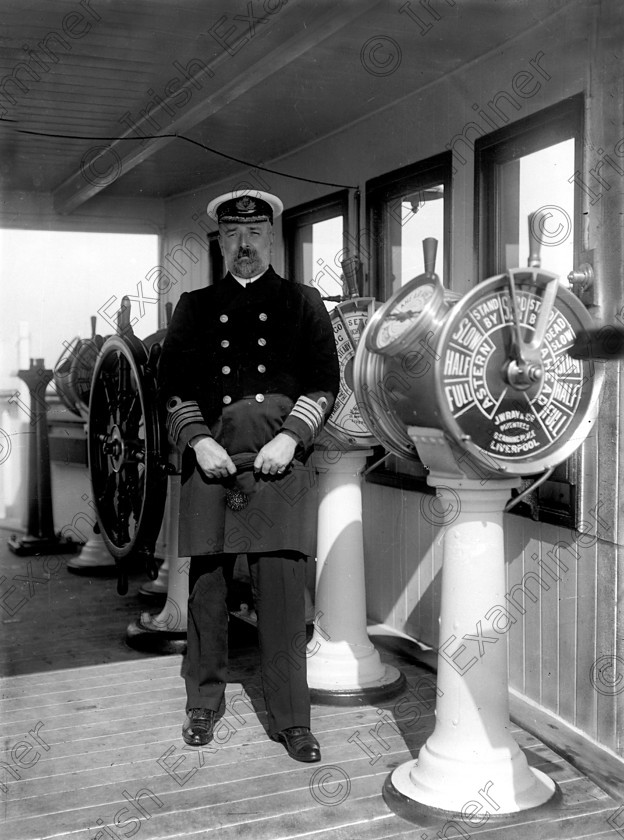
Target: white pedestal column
x=166, y=631
x=471, y=761
x=160, y=586
x=93, y=556
x=343, y=664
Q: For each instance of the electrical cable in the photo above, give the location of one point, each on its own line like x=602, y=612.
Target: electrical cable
x=195, y=143
x=538, y=481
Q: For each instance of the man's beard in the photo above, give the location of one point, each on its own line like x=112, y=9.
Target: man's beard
x=247, y=264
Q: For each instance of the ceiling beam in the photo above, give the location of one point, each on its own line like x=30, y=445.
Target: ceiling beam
x=119, y=156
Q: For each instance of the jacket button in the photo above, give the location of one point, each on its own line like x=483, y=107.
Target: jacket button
x=223, y=319
x=262, y=342
x=262, y=368
x=263, y=316
x=227, y=399
x=225, y=369
x=225, y=343
x=259, y=397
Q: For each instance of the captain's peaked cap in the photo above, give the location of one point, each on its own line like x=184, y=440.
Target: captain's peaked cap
x=245, y=206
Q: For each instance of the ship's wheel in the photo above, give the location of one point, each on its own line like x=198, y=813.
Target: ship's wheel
x=127, y=447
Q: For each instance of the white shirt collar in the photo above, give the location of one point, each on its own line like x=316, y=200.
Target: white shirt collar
x=245, y=281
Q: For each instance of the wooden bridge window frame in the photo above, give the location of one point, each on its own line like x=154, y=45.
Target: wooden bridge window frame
x=304, y=215
x=215, y=258
x=381, y=194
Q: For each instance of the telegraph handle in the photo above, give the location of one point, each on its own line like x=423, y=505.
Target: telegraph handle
x=519, y=346
x=123, y=317
x=535, y=243
x=430, y=250
x=350, y=269
x=530, y=352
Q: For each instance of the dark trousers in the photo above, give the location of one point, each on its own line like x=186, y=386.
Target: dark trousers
x=278, y=581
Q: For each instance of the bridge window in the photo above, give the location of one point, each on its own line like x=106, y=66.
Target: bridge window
x=530, y=166
x=315, y=246
x=405, y=207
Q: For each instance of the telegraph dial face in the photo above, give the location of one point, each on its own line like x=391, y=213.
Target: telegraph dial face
x=399, y=322
x=346, y=424
x=404, y=315
x=507, y=388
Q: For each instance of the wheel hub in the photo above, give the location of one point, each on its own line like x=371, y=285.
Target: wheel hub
x=115, y=447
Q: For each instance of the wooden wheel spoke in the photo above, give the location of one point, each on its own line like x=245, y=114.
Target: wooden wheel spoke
x=132, y=410
x=125, y=508
x=135, y=487
x=110, y=392
x=122, y=384
x=107, y=502
x=131, y=416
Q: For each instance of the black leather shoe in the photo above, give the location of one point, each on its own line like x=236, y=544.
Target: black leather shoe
x=300, y=743
x=198, y=727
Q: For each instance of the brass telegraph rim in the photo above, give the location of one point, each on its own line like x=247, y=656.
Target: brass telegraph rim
x=426, y=315
x=389, y=430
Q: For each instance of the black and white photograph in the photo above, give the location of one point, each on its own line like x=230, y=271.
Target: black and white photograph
x=311, y=395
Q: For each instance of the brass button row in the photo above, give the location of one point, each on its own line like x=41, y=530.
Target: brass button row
x=224, y=318
x=261, y=341
x=227, y=369
x=227, y=399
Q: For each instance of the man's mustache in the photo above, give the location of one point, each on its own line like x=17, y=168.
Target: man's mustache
x=246, y=252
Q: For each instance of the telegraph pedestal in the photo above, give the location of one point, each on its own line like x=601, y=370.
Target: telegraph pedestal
x=483, y=391
x=471, y=748
x=94, y=559
x=344, y=667
x=165, y=632
x=157, y=589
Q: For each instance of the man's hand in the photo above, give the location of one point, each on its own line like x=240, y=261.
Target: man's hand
x=213, y=458
x=276, y=455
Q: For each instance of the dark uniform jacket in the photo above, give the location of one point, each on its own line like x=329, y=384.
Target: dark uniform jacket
x=234, y=363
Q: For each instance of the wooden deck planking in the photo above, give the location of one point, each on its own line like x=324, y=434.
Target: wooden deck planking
x=141, y=761
x=60, y=777
x=272, y=807
x=68, y=755
x=109, y=713
x=247, y=783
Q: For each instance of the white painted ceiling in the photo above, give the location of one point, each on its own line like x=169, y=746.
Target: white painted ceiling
x=266, y=78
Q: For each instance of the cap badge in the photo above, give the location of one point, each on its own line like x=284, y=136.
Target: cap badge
x=246, y=204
